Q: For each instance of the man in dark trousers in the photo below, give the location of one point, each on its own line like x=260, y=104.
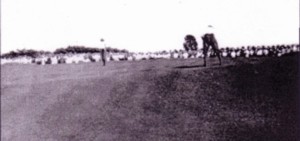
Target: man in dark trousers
x=103, y=56
x=210, y=40
x=103, y=52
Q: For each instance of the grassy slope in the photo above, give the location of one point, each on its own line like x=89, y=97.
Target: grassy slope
x=247, y=99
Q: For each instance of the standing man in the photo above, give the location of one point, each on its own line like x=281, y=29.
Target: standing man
x=103, y=56
x=103, y=52
x=209, y=40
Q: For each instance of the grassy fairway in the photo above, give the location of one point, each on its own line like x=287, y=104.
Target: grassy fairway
x=153, y=100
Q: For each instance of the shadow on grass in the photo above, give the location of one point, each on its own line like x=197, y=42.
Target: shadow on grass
x=186, y=67
x=268, y=88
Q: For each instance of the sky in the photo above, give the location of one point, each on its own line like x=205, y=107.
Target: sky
x=145, y=25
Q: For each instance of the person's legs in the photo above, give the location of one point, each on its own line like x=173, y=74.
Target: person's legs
x=217, y=52
x=219, y=57
x=205, y=50
x=104, y=61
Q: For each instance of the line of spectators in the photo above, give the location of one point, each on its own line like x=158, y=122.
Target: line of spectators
x=249, y=51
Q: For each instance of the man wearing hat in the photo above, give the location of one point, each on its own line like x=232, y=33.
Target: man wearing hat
x=103, y=53
x=209, y=40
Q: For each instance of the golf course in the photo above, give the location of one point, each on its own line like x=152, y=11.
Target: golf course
x=244, y=99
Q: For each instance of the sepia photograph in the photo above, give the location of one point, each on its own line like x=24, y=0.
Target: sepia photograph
x=150, y=70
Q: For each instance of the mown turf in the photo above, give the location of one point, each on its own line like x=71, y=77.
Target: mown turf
x=158, y=100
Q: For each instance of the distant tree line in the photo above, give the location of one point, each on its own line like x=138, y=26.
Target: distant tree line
x=70, y=49
x=83, y=49
x=76, y=49
x=24, y=52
